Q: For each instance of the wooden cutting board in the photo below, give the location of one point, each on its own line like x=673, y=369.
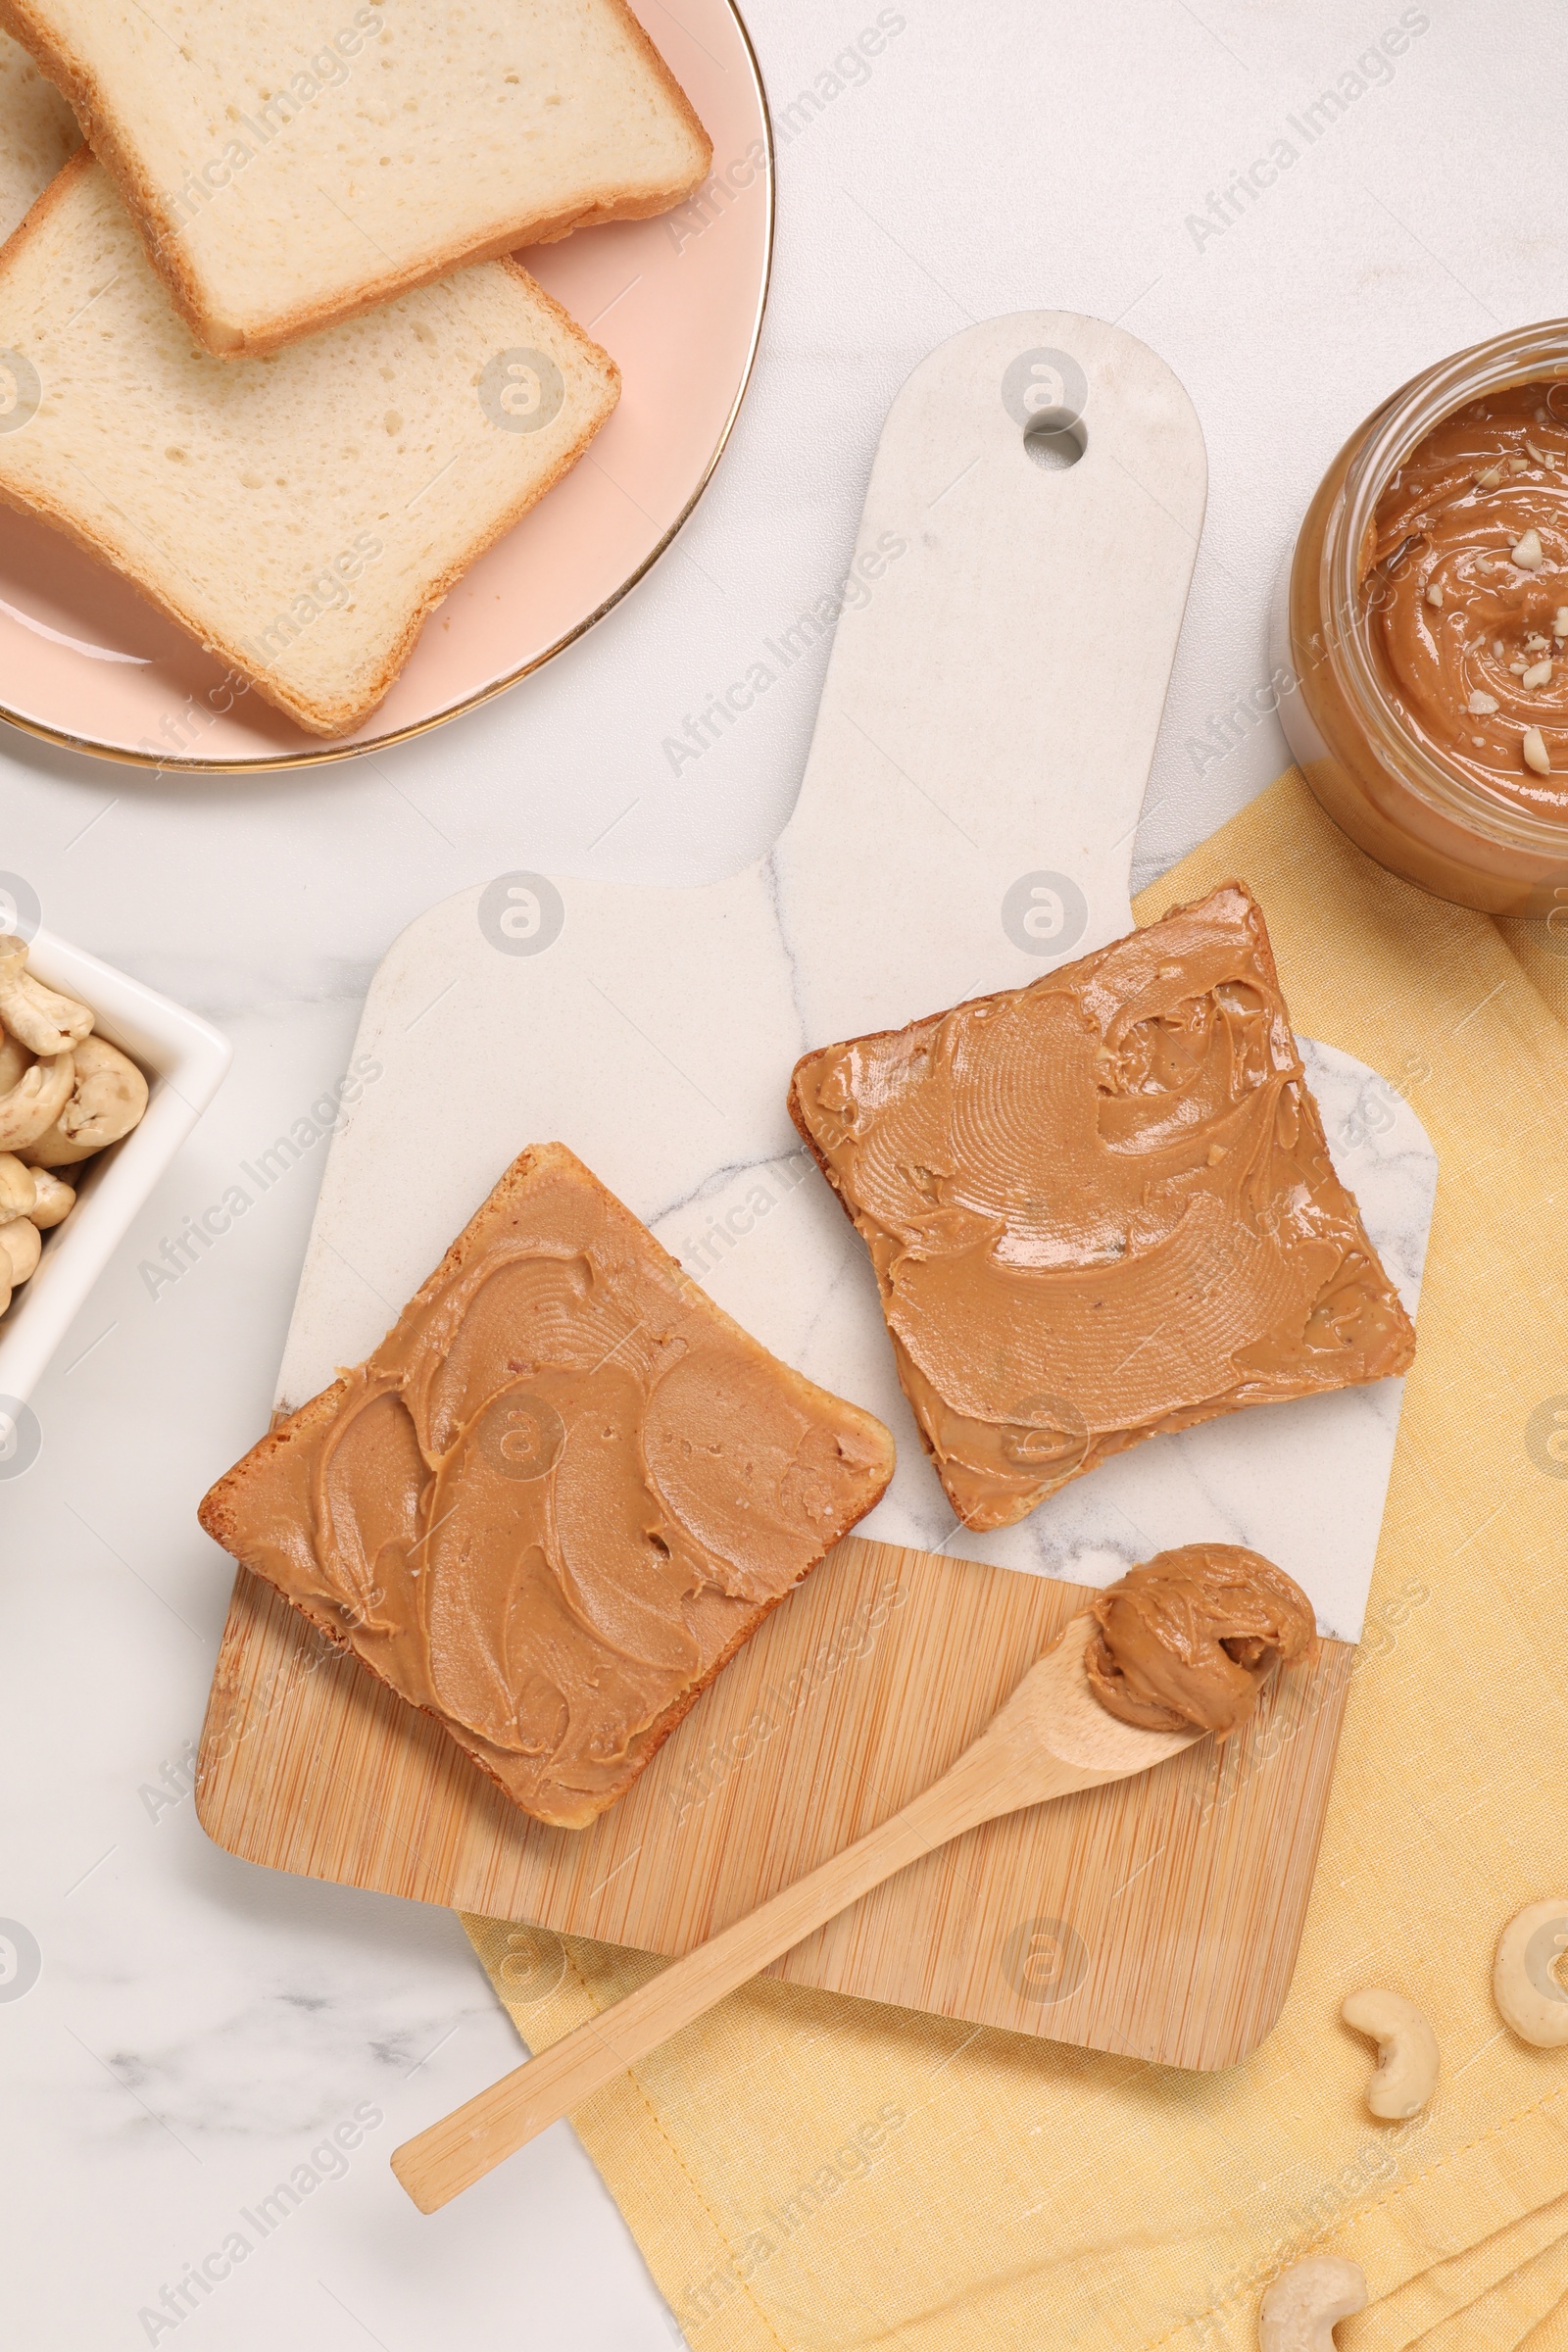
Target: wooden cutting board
x=1159, y=1918
x=1003, y=636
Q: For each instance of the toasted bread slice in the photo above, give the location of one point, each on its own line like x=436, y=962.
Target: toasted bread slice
x=561, y=1494
x=289, y=167
x=1100, y=1207
x=38, y=134
x=299, y=514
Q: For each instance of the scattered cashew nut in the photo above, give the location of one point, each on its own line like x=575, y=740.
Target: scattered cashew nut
x=1407, y=2052
x=1524, y=1984
x=19, y=1188
x=53, y=1199
x=108, y=1096
x=32, y=1105
x=1301, y=2306
x=39, y=1017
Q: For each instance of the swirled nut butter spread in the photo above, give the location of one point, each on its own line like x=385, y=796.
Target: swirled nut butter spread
x=1100, y=1207
x=557, y=1496
x=1193, y=1635
x=1465, y=580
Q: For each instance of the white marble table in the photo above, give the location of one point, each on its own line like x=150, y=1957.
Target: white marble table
x=197, y=2028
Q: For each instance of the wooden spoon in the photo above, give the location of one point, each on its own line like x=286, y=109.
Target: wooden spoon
x=1052, y=1737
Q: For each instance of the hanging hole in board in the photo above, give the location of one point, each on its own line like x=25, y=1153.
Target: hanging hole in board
x=1055, y=439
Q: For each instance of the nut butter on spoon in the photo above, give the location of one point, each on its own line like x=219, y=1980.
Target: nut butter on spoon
x=1192, y=1637
x=1150, y=1643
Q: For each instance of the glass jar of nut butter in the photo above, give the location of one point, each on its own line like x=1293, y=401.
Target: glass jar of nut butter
x=1424, y=625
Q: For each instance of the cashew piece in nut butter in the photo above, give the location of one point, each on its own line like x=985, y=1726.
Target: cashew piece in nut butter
x=37, y=1016
x=107, y=1098
x=1407, y=2052
x=1301, y=2306
x=1528, y=1993
x=34, y=1099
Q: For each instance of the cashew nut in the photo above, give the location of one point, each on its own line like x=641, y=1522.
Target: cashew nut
x=48, y=1201
x=15, y=1061
x=1407, y=2052
x=18, y=1256
x=21, y=1247
x=19, y=1188
x=107, y=1098
x=53, y=1199
x=1301, y=2306
x=40, y=1018
x=36, y=1100
x=1524, y=1984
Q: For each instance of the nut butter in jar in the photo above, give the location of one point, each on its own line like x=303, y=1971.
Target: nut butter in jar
x=1423, y=623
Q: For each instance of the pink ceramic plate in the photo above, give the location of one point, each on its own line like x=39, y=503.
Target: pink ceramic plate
x=678, y=302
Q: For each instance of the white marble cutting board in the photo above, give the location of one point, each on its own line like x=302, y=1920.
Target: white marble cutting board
x=966, y=818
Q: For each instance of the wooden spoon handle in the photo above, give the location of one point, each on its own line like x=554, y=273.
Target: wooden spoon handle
x=469, y=2142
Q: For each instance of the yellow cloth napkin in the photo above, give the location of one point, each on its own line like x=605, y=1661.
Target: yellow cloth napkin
x=804, y=2172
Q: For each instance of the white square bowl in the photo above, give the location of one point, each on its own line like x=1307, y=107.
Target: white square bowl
x=184, y=1060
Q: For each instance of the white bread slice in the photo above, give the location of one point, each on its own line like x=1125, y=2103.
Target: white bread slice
x=300, y=514
x=38, y=134
x=290, y=163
